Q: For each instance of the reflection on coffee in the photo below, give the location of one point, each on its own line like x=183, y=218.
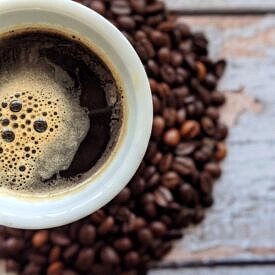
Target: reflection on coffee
x=60, y=110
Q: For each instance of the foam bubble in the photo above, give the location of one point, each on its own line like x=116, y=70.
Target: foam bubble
x=46, y=123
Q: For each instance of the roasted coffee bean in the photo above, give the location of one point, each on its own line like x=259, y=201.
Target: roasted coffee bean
x=98, y=6
x=172, y=137
x=213, y=113
x=220, y=151
x=208, y=126
x=186, y=148
x=164, y=55
x=85, y=259
x=168, y=74
x=106, y=226
x=158, y=126
x=120, y=7
x=190, y=129
x=59, y=238
x=221, y=132
x=173, y=184
x=87, y=234
x=219, y=68
x=170, y=179
x=123, y=244
x=132, y=259
x=213, y=169
x=217, y=98
x=184, y=166
x=40, y=238
x=109, y=256
x=201, y=71
x=166, y=162
x=153, y=68
x=188, y=195
x=126, y=22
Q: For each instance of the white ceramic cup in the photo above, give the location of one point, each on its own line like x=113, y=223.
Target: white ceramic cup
x=50, y=211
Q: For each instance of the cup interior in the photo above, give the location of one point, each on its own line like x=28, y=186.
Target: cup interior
x=59, y=209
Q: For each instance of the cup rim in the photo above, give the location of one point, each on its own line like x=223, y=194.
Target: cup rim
x=48, y=213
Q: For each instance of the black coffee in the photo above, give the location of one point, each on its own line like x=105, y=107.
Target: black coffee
x=60, y=110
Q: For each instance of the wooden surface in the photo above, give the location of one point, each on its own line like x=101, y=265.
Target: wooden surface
x=240, y=227
x=238, y=235
x=224, y=6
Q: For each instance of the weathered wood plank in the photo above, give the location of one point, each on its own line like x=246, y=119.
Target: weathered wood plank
x=264, y=270
x=197, y=6
x=241, y=224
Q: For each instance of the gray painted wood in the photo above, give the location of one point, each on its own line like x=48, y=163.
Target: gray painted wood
x=265, y=270
x=221, y=5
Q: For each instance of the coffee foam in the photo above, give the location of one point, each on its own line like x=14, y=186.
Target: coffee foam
x=47, y=94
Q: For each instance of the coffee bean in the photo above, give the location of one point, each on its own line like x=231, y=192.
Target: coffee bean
x=220, y=151
x=164, y=55
x=85, y=259
x=145, y=236
x=185, y=149
x=97, y=6
x=40, y=238
x=168, y=74
x=201, y=71
x=109, y=256
x=153, y=68
x=170, y=116
x=145, y=49
x=123, y=244
x=190, y=129
x=176, y=59
x=184, y=166
x=221, y=132
x=158, y=126
x=213, y=113
x=159, y=39
x=172, y=137
x=170, y=179
x=219, y=68
x=137, y=186
x=206, y=182
x=55, y=268
x=126, y=22
x=132, y=259
x=120, y=7
x=163, y=196
x=106, y=226
x=59, y=238
x=217, y=98
x=87, y=234
x=166, y=162
x=213, y=169
x=208, y=126
x=70, y=251
x=188, y=195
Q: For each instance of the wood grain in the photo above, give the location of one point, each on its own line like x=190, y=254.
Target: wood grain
x=226, y=6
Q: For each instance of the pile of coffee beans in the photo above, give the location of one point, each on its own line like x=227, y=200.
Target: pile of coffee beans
x=174, y=183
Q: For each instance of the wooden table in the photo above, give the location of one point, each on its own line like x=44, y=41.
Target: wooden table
x=238, y=234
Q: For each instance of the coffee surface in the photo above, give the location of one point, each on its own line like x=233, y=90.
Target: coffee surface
x=60, y=111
